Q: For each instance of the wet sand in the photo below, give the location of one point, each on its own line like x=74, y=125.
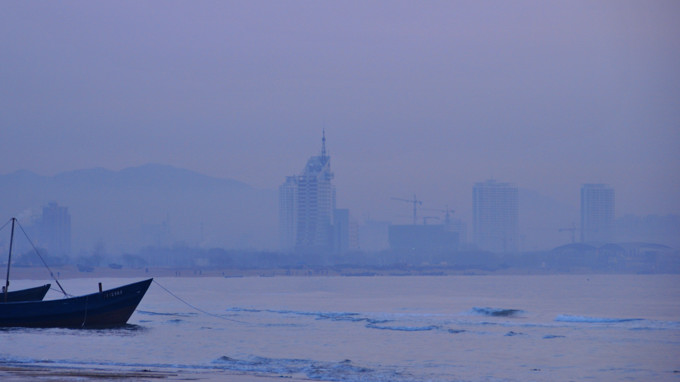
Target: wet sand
x=23, y=373
x=37, y=373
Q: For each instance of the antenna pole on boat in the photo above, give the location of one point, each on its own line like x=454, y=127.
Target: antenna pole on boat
x=9, y=260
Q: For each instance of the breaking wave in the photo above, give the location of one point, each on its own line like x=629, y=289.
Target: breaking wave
x=456, y=331
x=593, y=320
x=331, y=316
x=398, y=323
x=636, y=324
x=496, y=312
x=149, y=313
x=245, y=310
x=344, y=370
x=404, y=328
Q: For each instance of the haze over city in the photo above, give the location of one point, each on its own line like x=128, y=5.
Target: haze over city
x=415, y=98
x=340, y=190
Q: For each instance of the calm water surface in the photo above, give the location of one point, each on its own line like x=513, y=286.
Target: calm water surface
x=438, y=328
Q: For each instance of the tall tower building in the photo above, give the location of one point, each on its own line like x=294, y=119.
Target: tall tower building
x=306, y=204
x=597, y=213
x=55, y=229
x=495, y=216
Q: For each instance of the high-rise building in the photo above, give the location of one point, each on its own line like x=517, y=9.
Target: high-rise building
x=306, y=204
x=495, y=216
x=287, y=213
x=597, y=213
x=55, y=229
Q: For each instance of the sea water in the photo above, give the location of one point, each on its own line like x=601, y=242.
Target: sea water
x=434, y=328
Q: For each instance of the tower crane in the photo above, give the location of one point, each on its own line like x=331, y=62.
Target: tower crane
x=415, y=202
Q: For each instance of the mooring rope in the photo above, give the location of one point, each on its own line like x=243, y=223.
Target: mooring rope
x=38, y=253
x=43, y=260
x=5, y=225
x=196, y=308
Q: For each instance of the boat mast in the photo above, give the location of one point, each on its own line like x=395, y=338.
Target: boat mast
x=9, y=260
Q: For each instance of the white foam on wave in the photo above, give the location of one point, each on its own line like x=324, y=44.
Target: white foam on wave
x=635, y=324
x=344, y=370
x=593, y=320
x=404, y=328
x=318, y=315
x=150, y=313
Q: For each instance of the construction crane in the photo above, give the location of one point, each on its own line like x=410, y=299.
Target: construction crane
x=416, y=203
x=571, y=229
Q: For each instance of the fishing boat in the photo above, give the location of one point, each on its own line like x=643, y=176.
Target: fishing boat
x=109, y=308
x=30, y=294
x=104, y=309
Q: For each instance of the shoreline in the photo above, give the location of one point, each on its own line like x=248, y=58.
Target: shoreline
x=19, y=372
x=72, y=272
x=10, y=372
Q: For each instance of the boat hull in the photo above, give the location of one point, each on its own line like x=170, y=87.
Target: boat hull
x=30, y=294
x=109, y=308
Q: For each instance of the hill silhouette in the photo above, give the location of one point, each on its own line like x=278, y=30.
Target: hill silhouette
x=152, y=204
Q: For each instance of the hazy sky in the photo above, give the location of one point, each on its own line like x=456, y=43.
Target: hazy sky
x=420, y=97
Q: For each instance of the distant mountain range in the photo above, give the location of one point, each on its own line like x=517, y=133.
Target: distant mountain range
x=151, y=204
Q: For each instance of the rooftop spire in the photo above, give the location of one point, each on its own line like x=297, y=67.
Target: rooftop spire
x=323, y=144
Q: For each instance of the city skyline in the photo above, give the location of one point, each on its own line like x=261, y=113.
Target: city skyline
x=332, y=185
x=422, y=100
x=169, y=228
